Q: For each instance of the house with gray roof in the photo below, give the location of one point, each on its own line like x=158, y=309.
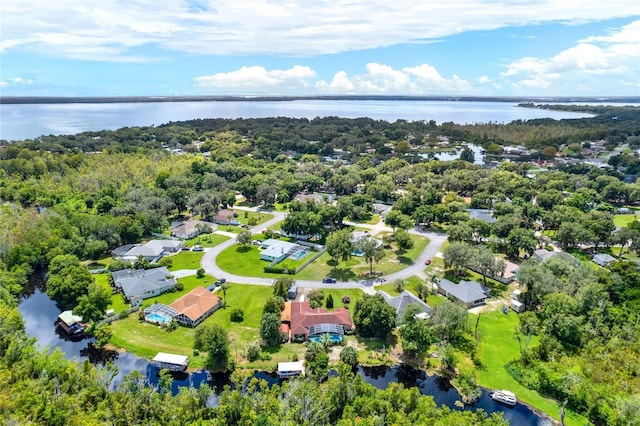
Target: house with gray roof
x=140, y=284
x=192, y=228
x=152, y=250
x=603, y=259
x=468, y=293
x=481, y=214
x=402, y=301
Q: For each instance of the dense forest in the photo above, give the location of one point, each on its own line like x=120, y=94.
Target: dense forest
x=86, y=194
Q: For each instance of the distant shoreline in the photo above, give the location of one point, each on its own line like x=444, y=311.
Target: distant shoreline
x=147, y=99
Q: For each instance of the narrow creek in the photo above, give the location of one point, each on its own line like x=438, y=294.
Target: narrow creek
x=40, y=313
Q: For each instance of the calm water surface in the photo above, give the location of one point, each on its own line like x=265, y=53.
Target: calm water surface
x=23, y=121
x=40, y=312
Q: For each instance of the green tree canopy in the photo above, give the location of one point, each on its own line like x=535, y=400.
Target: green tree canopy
x=373, y=317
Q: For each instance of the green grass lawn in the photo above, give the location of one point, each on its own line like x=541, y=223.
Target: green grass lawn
x=498, y=346
x=186, y=260
x=394, y=260
x=622, y=220
x=209, y=240
x=244, y=261
x=146, y=340
x=354, y=295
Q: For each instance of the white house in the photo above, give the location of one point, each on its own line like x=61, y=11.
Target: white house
x=276, y=250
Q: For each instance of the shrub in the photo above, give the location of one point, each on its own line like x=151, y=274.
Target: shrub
x=179, y=286
x=329, y=303
x=200, y=273
x=166, y=261
x=315, y=298
x=294, y=357
x=253, y=353
x=346, y=300
x=398, y=286
x=237, y=315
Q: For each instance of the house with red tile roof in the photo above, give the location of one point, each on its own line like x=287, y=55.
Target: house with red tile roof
x=195, y=306
x=300, y=322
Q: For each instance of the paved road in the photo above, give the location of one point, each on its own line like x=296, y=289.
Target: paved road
x=435, y=242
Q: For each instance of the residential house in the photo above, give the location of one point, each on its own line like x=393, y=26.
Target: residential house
x=402, y=301
x=152, y=250
x=357, y=236
x=192, y=228
x=195, y=306
x=140, y=284
x=276, y=250
x=603, y=259
x=381, y=209
x=468, y=293
x=481, y=214
x=305, y=196
x=300, y=322
x=226, y=217
x=542, y=255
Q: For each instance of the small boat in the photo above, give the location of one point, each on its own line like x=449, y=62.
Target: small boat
x=504, y=396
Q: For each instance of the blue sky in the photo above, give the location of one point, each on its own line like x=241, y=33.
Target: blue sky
x=319, y=47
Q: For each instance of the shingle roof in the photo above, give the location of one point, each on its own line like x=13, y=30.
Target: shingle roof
x=303, y=317
x=195, y=303
x=402, y=301
x=466, y=291
x=139, y=281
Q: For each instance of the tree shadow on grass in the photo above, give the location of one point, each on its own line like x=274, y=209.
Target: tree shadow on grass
x=342, y=274
x=378, y=344
x=243, y=249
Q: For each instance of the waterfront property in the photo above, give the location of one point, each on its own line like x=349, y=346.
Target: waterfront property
x=468, y=293
x=402, y=301
x=140, y=284
x=70, y=323
x=196, y=306
x=226, y=217
x=290, y=369
x=300, y=322
x=189, y=310
x=171, y=362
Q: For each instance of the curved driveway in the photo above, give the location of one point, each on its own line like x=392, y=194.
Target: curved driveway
x=208, y=262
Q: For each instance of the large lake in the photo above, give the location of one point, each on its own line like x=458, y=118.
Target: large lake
x=27, y=121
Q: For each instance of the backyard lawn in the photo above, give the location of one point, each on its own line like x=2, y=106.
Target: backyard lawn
x=209, y=240
x=146, y=340
x=186, y=260
x=498, y=346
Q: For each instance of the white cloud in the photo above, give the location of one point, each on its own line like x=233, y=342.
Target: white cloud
x=16, y=81
x=255, y=80
x=377, y=79
x=113, y=28
x=587, y=67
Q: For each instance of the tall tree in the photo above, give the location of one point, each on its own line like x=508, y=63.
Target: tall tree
x=371, y=250
x=68, y=280
x=93, y=305
x=213, y=339
x=339, y=246
x=373, y=317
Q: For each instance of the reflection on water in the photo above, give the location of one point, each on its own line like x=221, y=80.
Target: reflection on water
x=20, y=121
x=39, y=314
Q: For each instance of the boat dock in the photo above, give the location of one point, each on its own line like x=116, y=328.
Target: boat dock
x=290, y=369
x=171, y=362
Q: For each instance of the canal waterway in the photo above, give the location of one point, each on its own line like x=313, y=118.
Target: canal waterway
x=40, y=313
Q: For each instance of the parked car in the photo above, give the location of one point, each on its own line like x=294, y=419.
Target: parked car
x=186, y=248
x=427, y=262
x=198, y=248
x=329, y=280
x=220, y=281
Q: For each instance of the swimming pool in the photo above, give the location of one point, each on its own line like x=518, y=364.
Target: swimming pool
x=299, y=255
x=157, y=318
x=334, y=338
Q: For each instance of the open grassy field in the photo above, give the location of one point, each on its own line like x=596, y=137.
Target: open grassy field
x=499, y=345
x=622, y=220
x=394, y=260
x=209, y=240
x=186, y=260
